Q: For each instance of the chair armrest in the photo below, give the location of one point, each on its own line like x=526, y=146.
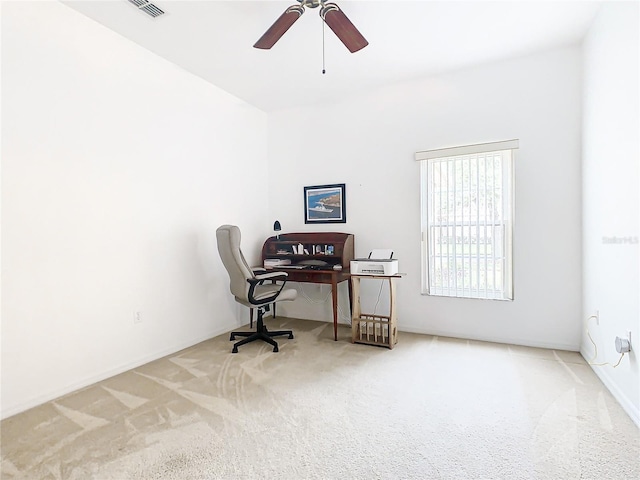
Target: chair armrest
x=271, y=276
x=259, y=280
x=258, y=270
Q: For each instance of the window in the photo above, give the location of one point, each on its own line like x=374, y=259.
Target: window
x=467, y=220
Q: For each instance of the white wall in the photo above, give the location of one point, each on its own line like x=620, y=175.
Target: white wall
x=611, y=149
x=117, y=168
x=368, y=142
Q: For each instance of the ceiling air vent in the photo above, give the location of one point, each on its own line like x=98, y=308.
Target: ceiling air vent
x=147, y=7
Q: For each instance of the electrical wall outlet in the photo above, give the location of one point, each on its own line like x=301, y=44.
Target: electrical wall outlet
x=623, y=345
x=137, y=317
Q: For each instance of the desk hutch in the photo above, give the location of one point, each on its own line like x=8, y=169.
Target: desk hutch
x=316, y=257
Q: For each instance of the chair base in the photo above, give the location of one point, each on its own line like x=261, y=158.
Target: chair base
x=261, y=333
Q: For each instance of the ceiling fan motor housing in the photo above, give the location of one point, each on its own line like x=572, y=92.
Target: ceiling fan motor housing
x=311, y=3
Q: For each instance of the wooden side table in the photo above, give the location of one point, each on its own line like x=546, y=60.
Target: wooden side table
x=373, y=329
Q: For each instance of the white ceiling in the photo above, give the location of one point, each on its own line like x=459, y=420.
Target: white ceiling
x=407, y=39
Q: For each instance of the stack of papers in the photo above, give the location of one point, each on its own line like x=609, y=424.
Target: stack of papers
x=276, y=262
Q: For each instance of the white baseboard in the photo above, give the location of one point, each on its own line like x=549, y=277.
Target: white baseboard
x=98, y=377
x=494, y=339
x=624, y=401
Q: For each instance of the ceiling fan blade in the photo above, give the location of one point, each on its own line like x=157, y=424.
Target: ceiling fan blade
x=280, y=26
x=342, y=27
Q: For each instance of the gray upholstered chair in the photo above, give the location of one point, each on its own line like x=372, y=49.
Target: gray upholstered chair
x=253, y=289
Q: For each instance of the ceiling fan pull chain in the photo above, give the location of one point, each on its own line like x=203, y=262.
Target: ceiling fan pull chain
x=323, y=70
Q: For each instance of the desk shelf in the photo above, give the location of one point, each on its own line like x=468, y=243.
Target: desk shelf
x=330, y=247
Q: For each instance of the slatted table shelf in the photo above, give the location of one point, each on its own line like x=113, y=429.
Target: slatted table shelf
x=370, y=329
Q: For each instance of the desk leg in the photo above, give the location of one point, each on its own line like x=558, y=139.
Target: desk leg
x=334, y=297
x=393, y=320
x=355, y=308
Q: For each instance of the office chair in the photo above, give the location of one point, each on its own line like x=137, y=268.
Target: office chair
x=249, y=288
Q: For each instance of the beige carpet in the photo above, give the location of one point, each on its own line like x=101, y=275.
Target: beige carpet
x=432, y=408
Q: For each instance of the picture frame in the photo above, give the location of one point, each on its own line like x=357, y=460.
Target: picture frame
x=325, y=204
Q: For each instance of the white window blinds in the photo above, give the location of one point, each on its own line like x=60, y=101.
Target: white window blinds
x=467, y=220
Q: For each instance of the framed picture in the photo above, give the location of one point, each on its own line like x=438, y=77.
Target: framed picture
x=325, y=204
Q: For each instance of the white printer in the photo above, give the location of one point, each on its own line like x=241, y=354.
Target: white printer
x=379, y=262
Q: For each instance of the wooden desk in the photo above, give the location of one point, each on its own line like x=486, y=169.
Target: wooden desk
x=331, y=277
x=330, y=248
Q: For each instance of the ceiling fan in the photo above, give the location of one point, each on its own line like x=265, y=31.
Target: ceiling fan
x=330, y=13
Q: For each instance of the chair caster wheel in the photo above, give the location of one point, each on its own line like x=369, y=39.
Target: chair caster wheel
x=290, y=336
x=275, y=349
x=234, y=350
